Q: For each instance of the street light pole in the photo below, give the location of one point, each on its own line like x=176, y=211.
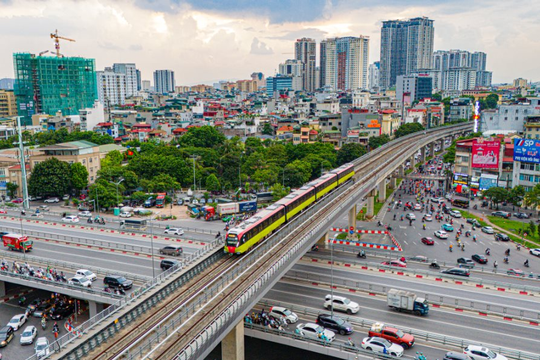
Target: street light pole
x=193, y=157
x=332, y=279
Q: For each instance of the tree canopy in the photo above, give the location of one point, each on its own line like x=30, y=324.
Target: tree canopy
x=408, y=128
x=350, y=152
x=50, y=178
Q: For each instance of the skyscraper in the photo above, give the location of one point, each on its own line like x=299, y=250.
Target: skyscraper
x=164, y=81
x=322, y=64
x=406, y=46
x=373, y=75
x=130, y=72
x=347, y=62
x=112, y=88
x=305, y=51
x=458, y=70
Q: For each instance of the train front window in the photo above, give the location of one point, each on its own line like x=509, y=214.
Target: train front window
x=232, y=240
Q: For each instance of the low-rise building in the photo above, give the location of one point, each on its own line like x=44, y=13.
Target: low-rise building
x=8, y=103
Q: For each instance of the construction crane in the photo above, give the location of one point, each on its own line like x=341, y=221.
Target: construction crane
x=57, y=38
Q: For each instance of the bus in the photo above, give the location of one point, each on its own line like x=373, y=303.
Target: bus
x=134, y=224
x=461, y=202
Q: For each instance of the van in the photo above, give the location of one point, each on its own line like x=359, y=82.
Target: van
x=171, y=250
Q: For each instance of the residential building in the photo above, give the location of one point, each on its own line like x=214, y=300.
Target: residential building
x=146, y=85
x=415, y=87
x=291, y=67
x=509, y=118
x=322, y=64
x=353, y=118
x=373, y=76
x=111, y=87
x=259, y=78
x=7, y=84
x=92, y=116
x=131, y=77
x=459, y=79
x=347, y=63
x=164, y=81
x=457, y=70
x=406, y=46
x=8, y=103
x=527, y=174
x=305, y=51
x=520, y=83
x=139, y=81
x=278, y=83
x=460, y=108
x=47, y=84
x=390, y=121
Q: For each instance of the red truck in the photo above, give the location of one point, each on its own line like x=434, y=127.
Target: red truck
x=16, y=242
x=160, y=200
x=392, y=334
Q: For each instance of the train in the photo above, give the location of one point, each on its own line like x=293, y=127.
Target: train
x=248, y=233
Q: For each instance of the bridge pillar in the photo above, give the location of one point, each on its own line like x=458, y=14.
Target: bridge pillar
x=393, y=183
x=423, y=154
x=432, y=149
x=232, y=346
x=401, y=171
x=382, y=191
x=323, y=241
x=2, y=288
x=94, y=308
x=352, y=216
x=412, y=161
x=370, y=205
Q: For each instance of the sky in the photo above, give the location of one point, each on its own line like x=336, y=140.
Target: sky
x=204, y=41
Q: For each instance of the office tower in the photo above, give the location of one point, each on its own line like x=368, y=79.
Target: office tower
x=46, y=84
x=347, y=62
x=278, y=83
x=406, y=46
x=322, y=64
x=164, y=81
x=130, y=72
x=291, y=67
x=112, y=88
x=305, y=51
x=373, y=75
x=410, y=88
x=139, y=84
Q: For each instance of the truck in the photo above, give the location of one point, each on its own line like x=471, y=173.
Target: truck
x=149, y=202
x=406, y=301
x=160, y=200
x=391, y=334
x=16, y=242
x=222, y=210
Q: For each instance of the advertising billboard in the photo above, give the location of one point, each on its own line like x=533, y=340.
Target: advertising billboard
x=485, y=154
x=488, y=182
x=461, y=179
x=527, y=150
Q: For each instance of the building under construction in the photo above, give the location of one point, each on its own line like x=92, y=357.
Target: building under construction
x=46, y=84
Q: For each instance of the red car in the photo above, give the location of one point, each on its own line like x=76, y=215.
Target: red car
x=428, y=241
x=17, y=201
x=3, y=211
x=394, y=263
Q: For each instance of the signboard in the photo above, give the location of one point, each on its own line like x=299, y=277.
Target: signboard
x=486, y=183
x=461, y=179
x=485, y=154
x=527, y=150
x=476, y=115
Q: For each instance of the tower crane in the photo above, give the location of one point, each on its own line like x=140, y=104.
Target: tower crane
x=57, y=38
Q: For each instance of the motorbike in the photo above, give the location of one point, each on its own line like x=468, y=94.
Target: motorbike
x=434, y=265
x=475, y=207
x=526, y=264
x=518, y=247
x=315, y=248
x=450, y=249
x=43, y=323
x=22, y=301
x=119, y=291
x=361, y=255
x=90, y=221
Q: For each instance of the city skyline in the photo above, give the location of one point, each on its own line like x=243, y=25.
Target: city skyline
x=203, y=42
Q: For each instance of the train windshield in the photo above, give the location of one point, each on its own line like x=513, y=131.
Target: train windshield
x=232, y=240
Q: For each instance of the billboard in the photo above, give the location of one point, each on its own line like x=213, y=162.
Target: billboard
x=485, y=154
x=487, y=182
x=461, y=179
x=527, y=150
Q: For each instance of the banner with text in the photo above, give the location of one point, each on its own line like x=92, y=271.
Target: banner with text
x=527, y=150
x=485, y=154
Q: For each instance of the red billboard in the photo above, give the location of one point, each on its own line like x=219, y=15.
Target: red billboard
x=485, y=154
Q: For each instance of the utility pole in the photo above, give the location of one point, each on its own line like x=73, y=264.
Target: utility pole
x=23, y=165
x=193, y=157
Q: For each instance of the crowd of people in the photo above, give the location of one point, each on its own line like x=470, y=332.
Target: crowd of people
x=25, y=269
x=266, y=320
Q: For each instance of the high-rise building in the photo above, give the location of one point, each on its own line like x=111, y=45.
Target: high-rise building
x=406, y=46
x=278, y=83
x=139, y=84
x=46, y=84
x=6, y=84
x=291, y=67
x=146, y=85
x=520, y=83
x=460, y=63
x=164, y=81
x=410, y=88
x=112, y=88
x=130, y=72
x=459, y=79
x=347, y=62
x=373, y=75
x=8, y=103
x=305, y=50
x=322, y=64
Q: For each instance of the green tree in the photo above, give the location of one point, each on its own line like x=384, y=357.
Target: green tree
x=279, y=191
x=79, y=176
x=11, y=189
x=297, y=173
x=266, y=176
x=491, y=101
x=450, y=155
x=104, y=193
x=350, y=152
x=408, y=128
x=204, y=136
x=267, y=129
x=49, y=178
x=376, y=141
x=497, y=195
x=212, y=183
x=113, y=158
x=516, y=195
x=532, y=228
x=532, y=198
x=162, y=183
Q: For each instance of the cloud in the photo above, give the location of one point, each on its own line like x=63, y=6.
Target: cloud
x=260, y=48
x=135, y=47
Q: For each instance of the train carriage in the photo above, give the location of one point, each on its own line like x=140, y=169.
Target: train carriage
x=344, y=172
x=324, y=185
x=298, y=200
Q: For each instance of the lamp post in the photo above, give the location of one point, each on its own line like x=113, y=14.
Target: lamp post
x=117, y=183
x=332, y=278
x=152, y=244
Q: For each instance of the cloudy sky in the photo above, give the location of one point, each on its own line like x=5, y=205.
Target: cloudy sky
x=207, y=40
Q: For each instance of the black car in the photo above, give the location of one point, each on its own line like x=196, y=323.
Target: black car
x=334, y=323
x=521, y=215
x=116, y=281
x=6, y=335
x=502, y=237
x=43, y=308
x=481, y=259
x=474, y=222
x=446, y=210
x=452, y=355
x=63, y=312
x=168, y=263
x=457, y=271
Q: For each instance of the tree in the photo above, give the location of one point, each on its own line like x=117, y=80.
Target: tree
x=79, y=176
x=212, y=183
x=408, y=128
x=266, y=176
x=162, y=183
x=49, y=178
x=532, y=198
x=350, y=152
x=516, y=195
x=450, y=155
x=497, y=195
x=11, y=189
x=113, y=158
x=376, y=141
x=104, y=193
x=532, y=228
x=297, y=173
x=267, y=129
x=491, y=101
x=279, y=191
x=204, y=136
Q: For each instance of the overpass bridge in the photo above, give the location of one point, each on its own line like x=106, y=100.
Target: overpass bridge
x=187, y=315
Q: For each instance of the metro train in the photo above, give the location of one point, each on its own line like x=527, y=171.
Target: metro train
x=249, y=232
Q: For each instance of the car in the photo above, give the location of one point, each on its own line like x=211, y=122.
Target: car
x=535, y=252
x=411, y=216
x=117, y=281
x=380, y=345
x=70, y=219
x=334, y=323
x=391, y=334
x=174, y=231
x=394, y=263
x=44, y=207
x=85, y=213
x=477, y=352
x=457, y=271
x=52, y=200
x=126, y=214
x=455, y=213
x=284, y=314
x=42, y=347
x=17, y=201
x=419, y=258
x=427, y=217
x=452, y=355
x=474, y=222
x=171, y=250
x=481, y=259
x=341, y=303
x=465, y=262
x=6, y=335
x=441, y=234
x=428, y=241
x=28, y=335
x=447, y=227
x=166, y=264
x=516, y=272
x=448, y=196
x=80, y=281
x=32, y=198
x=43, y=308
x=36, y=215
x=3, y=211
x=62, y=312
x=487, y=229
x=502, y=237
x=502, y=214
x=87, y=274
x=417, y=207
x=521, y=215
x=315, y=332
x=17, y=321
x=438, y=200
x=65, y=197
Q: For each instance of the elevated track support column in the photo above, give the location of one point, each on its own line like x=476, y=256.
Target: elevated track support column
x=232, y=346
x=370, y=207
x=432, y=148
x=401, y=171
x=382, y=191
x=323, y=241
x=2, y=288
x=393, y=183
x=412, y=160
x=352, y=217
x=423, y=151
x=94, y=308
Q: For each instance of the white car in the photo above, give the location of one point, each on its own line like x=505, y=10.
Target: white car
x=174, y=231
x=428, y=217
x=71, y=219
x=29, y=335
x=315, y=332
x=417, y=207
x=65, y=197
x=283, y=313
x=411, y=216
x=42, y=347
x=87, y=274
x=448, y=197
x=51, y=200
x=380, y=345
x=487, y=230
x=80, y=281
x=535, y=252
x=455, y=213
x=441, y=234
x=482, y=353
x=17, y=321
x=438, y=200
x=125, y=214
x=85, y=213
x=341, y=303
